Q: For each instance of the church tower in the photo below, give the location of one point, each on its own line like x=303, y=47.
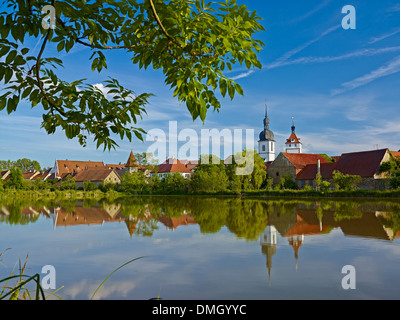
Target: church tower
x=293, y=144
x=266, y=144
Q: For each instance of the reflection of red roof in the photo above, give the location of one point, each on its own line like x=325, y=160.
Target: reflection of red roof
x=176, y=222
x=309, y=172
x=294, y=137
x=300, y=160
x=364, y=164
x=301, y=227
x=172, y=165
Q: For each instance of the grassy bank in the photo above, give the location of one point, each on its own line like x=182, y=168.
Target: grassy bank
x=112, y=194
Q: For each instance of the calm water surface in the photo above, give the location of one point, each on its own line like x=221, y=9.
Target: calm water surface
x=207, y=248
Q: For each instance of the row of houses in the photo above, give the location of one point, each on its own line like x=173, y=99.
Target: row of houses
x=98, y=172
x=303, y=167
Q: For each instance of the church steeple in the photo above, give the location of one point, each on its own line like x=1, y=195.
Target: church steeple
x=266, y=143
x=293, y=126
x=293, y=144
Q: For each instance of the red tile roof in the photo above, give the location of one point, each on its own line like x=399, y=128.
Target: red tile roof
x=294, y=137
x=93, y=174
x=395, y=154
x=172, y=165
x=364, y=164
x=300, y=160
x=131, y=161
x=309, y=172
x=71, y=166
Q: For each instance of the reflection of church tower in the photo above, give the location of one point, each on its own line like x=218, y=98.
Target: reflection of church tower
x=266, y=144
x=268, y=241
x=296, y=242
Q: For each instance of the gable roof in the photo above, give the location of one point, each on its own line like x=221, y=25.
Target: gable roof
x=395, y=154
x=71, y=166
x=294, y=137
x=94, y=174
x=364, y=163
x=172, y=165
x=4, y=174
x=309, y=172
x=300, y=160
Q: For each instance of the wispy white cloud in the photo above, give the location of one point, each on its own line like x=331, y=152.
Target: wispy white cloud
x=389, y=68
x=315, y=9
x=285, y=57
x=384, y=36
x=243, y=75
x=355, y=54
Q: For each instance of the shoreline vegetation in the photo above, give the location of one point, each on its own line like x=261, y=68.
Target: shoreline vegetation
x=212, y=179
x=113, y=194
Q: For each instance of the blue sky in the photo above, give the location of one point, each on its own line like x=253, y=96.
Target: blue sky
x=341, y=86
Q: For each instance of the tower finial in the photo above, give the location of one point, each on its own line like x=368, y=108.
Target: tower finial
x=293, y=127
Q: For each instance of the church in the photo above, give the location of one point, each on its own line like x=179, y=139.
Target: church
x=266, y=142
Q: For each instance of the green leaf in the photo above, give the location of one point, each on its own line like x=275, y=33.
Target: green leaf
x=11, y=56
x=60, y=46
x=223, y=86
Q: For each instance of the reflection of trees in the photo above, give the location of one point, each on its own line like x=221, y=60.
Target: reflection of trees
x=347, y=210
x=246, y=219
x=391, y=220
x=210, y=213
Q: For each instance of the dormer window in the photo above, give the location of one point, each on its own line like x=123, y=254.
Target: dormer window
x=292, y=139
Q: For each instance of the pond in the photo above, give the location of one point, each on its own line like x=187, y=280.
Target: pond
x=207, y=248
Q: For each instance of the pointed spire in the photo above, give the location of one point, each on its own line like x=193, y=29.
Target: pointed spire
x=131, y=160
x=293, y=126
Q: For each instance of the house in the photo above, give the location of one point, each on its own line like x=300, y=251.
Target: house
x=97, y=176
x=364, y=164
x=130, y=166
x=307, y=175
x=63, y=168
x=30, y=175
x=190, y=164
x=173, y=165
x=4, y=175
x=291, y=163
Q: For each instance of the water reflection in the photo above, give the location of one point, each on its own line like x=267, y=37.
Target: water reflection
x=271, y=226
x=249, y=219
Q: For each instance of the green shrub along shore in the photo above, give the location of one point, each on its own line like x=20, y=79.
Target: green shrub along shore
x=215, y=178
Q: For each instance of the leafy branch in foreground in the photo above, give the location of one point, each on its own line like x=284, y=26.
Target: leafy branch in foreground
x=192, y=42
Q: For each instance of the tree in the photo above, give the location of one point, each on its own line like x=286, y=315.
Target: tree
x=192, y=42
x=287, y=182
x=252, y=173
x=24, y=164
x=318, y=180
x=392, y=168
x=68, y=183
x=15, y=179
x=345, y=181
x=133, y=182
x=210, y=177
x=89, y=186
x=145, y=159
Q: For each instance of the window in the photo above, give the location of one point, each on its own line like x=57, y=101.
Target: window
x=277, y=174
x=272, y=146
x=263, y=148
x=292, y=139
